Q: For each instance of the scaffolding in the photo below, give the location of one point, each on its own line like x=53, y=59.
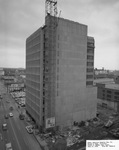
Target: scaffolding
x=49, y=59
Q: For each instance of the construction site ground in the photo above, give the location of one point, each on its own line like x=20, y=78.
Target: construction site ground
x=74, y=138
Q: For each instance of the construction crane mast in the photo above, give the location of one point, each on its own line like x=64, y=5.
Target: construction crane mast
x=51, y=7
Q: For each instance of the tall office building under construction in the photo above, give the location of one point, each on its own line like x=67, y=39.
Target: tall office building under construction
x=59, y=73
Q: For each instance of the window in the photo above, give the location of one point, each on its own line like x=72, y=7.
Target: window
x=57, y=69
x=90, y=51
x=104, y=105
x=109, y=96
x=57, y=53
x=89, y=63
x=43, y=101
x=90, y=57
x=57, y=61
x=109, y=92
x=89, y=76
x=116, y=93
x=89, y=69
x=58, y=37
x=90, y=44
x=116, y=97
x=89, y=83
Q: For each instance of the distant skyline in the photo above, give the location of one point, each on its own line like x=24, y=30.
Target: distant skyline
x=19, y=19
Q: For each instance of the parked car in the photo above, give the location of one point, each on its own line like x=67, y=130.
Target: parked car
x=11, y=114
x=21, y=116
x=28, y=119
x=6, y=116
x=22, y=105
x=4, y=126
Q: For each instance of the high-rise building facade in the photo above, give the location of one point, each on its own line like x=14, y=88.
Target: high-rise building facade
x=34, y=71
x=59, y=73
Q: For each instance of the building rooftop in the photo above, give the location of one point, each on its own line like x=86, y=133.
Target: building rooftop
x=112, y=86
x=104, y=80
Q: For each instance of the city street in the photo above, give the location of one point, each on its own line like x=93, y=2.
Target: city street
x=16, y=133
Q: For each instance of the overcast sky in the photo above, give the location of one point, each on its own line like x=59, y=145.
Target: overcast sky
x=20, y=18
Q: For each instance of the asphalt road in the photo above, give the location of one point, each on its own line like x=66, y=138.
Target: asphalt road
x=16, y=133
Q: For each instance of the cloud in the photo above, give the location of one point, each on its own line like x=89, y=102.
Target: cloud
x=18, y=20
x=21, y=18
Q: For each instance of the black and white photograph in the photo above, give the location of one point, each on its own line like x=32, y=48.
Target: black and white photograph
x=59, y=75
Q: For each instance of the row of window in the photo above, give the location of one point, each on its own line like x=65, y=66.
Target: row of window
x=33, y=97
x=33, y=42
x=89, y=57
x=33, y=112
x=33, y=77
x=33, y=70
x=89, y=76
x=90, y=69
x=90, y=51
x=110, y=96
x=33, y=84
x=90, y=64
x=33, y=49
x=33, y=56
x=90, y=43
x=88, y=83
x=110, y=92
x=33, y=63
x=33, y=90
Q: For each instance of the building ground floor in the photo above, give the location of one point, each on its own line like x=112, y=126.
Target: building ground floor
x=109, y=104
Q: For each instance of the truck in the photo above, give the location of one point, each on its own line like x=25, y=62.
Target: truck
x=8, y=146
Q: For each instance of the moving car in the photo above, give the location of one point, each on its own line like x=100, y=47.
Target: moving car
x=6, y=116
x=8, y=146
x=4, y=126
x=11, y=108
x=11, y=114
x=29, y=129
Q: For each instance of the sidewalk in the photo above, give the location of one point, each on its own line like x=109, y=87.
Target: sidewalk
x=42, y=143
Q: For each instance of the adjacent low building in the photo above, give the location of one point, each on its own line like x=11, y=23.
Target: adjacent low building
x=108, y=95
x=1, y=72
